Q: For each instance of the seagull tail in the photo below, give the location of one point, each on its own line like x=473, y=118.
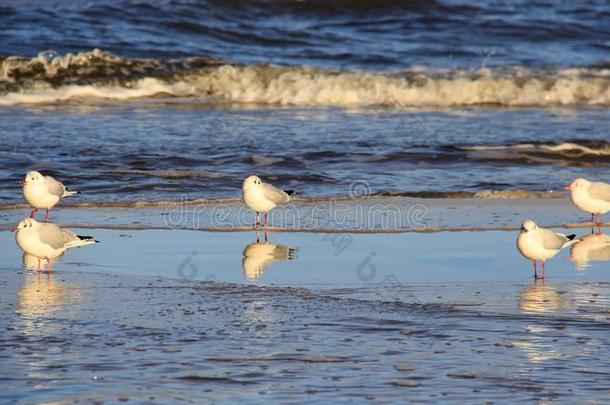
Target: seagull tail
x=82, y=241
x=289, y=192
x=571, y=240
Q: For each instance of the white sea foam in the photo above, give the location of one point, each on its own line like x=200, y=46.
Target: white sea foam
x=109, y=77
x=142, y=88
x=562, y=148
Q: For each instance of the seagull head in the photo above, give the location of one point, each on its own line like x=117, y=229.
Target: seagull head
x=251, y=181
x=578, y=184
x=528, y=225
x=32, y=177
x=24, y=224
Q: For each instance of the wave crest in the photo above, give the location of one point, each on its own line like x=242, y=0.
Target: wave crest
x=100, y=75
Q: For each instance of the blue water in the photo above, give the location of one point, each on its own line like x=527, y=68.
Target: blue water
x=142, y=101
x=381, y=35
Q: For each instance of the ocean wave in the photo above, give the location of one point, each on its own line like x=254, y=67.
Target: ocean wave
x=98, y=75
x=597, y=148
x=580, y=153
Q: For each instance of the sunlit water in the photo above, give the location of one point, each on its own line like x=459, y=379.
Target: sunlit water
x=218, y=316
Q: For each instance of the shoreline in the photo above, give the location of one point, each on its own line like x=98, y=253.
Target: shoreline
x=384, y=195
x=359, y=216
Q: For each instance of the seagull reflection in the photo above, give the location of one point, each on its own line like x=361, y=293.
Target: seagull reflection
x=34, y=263
x=43, y=295
x=259, y=256
x=593, y=247
x=540, y=297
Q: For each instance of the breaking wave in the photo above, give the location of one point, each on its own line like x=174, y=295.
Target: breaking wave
x=577, y=153
x=99, y=75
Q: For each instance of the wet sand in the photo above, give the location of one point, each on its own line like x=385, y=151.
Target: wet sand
x=156, y=315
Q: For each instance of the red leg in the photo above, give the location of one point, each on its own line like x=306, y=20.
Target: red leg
x=266, y=237
x=33, y=213
x=49, y=265
x=39, y=264
x=266, y=218
x=258, y=222
x=46, y=217
x=592, y=218
x=542, y=270
x=535, y=270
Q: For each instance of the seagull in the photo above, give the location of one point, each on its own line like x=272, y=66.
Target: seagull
x=259, y=256
x=263, y=197
x=47, y=241
x=43, y=192
x=537, y=243
x=591, y=197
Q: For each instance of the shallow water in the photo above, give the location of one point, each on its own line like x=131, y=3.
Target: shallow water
x=467, y=325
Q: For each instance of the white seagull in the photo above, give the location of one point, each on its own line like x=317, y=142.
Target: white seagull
x=537, y=243
x=591, y=197
x=43, y=192
x=263, y=197
x=47, y=241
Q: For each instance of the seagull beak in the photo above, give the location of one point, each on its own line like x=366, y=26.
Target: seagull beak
x=14, y=229
x=567, y=188
x=23, y=182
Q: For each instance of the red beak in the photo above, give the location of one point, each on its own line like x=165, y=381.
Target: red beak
x=14, y=229
x=567, y=188
x=23, y=182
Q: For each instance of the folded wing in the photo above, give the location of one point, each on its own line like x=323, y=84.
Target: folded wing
x=275, y=194
x=601, y=191
x=552, y=240
x=55, y=187
x=56, y=237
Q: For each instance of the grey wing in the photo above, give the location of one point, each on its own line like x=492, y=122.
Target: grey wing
x=54, y=186
x=552, y=240
x=600, y=191
x=55, y=237
x=275, y=194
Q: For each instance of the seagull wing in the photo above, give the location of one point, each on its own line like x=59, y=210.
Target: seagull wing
x=56, y=237
x=552, y=240
x=601, y=191
x=55, y=187
x=275, y=194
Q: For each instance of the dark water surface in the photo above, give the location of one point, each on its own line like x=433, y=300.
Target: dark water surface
x=139, y=101
x=147, y=153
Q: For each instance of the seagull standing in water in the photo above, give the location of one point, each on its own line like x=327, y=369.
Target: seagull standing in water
x=43, y=192
x=591, y=197
x=263, y=197
x=47, y=241
x=537, y=243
